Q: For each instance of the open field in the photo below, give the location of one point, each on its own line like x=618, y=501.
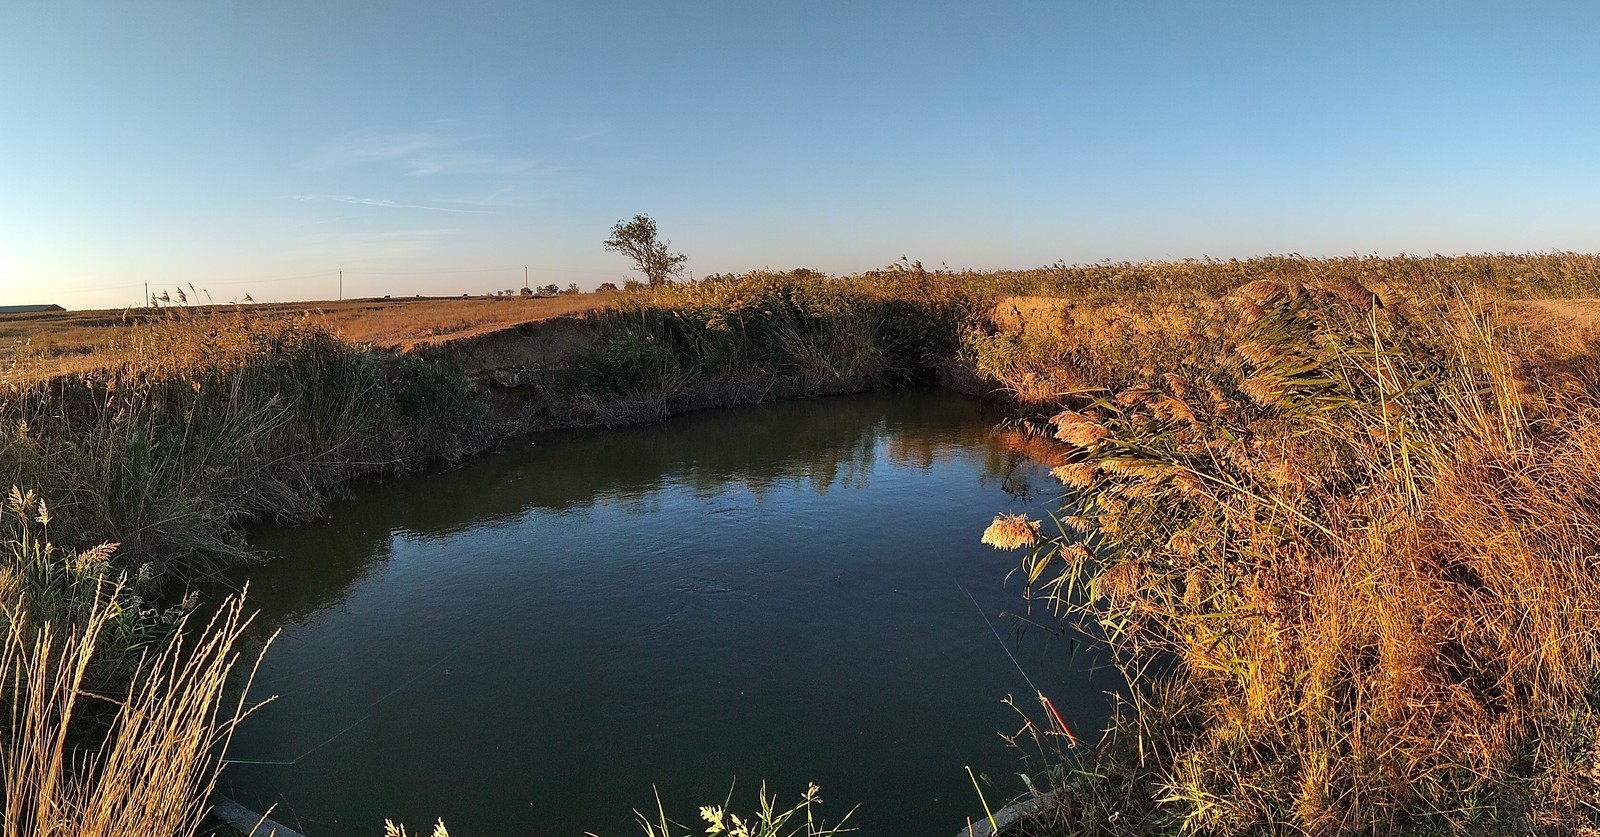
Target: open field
x=32, y=345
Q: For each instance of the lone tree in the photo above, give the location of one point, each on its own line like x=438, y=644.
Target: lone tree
x=636, y=239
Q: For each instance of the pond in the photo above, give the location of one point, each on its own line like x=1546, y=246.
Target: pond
x=540, y=640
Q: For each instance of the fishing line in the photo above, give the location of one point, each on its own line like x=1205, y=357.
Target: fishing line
x=990, y=625
x=367, y=710
x=1044, y=701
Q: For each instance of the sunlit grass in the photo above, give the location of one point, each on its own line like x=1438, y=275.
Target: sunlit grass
x=117, y=713
x=1362, y=525
x=201, y=423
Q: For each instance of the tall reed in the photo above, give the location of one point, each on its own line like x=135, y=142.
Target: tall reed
x=92, y=753
x=1362, y=529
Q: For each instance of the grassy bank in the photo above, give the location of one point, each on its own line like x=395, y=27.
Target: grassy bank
x=1360, y=529
x=730, y=339
x=191, y=425
x=1502, y=275
x=181, y=428
x=1037, y=333
x=1057, y=332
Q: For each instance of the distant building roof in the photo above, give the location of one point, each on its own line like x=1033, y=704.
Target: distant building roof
x=28, y=309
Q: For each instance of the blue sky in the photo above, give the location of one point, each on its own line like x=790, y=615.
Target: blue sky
x=260, y=147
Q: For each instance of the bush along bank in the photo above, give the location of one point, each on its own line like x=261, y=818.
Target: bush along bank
x=733, y=339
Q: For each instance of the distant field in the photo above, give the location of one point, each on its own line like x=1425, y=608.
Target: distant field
x=65, y=341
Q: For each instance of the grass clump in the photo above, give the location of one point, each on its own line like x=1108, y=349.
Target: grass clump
x=160, y=757
x=392, y=830
x=116, y=711
x=1056, y=350
x=42, y=584
x=1359, y=531
x=767, y=820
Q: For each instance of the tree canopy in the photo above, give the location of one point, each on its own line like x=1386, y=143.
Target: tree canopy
x=636, y=239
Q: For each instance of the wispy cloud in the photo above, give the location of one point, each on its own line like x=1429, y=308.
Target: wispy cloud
x=500, y=199
x=355, y=199
x=437, y=151
x=589, y=134
x=370, y=146
x=478, y=164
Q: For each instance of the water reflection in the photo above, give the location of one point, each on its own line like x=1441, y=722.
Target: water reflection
x=822, y=443
x=528, y=643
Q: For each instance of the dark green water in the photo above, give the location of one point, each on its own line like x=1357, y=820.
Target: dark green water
x=530, y=643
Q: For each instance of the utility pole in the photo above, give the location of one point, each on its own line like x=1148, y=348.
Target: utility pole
x=525, y=276
x=341, y=285
x=146, y=302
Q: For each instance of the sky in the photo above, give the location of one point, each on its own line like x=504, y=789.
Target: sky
x=261, y=147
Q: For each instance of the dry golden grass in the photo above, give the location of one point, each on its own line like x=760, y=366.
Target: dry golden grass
x=1038, y=351
x=1367, y=537
x=159, y=762
x=33, y=346
x=1011, y=531
x=1064, y=317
